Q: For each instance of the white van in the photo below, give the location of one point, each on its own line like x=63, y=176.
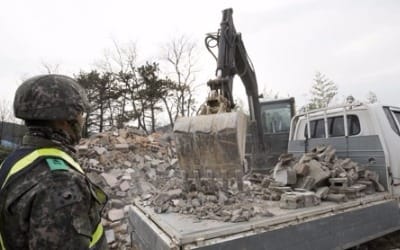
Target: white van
x=366, y=133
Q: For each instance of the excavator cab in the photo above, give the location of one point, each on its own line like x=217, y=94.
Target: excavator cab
x=276, y=116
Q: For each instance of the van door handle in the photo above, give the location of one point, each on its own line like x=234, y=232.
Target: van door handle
x=371, y=161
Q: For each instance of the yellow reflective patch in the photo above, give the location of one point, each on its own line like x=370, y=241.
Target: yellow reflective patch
x=100, y=195
x=2, y=244
x=96, y=235
x=22, y=163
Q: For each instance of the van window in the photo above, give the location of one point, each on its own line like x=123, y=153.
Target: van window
x=335, y=127
x=397, y=115
x=354, y=125
x=391, y=118
x=319, y=129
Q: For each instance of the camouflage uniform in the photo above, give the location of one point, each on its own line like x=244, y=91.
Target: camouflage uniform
x=42, y=206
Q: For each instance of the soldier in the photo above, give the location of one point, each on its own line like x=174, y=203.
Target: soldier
x=46, y=200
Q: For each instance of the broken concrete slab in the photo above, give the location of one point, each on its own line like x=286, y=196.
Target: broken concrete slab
x=336, y=197
x=284, y=176
x=124, y=186
x=116, y=214
x=329, y=154
x=173, y=162
x=127, y=164
x=115, y=203
x=120, y=194
x=369, y=186
x=354, y=191
x=110, y=236
x=311, y=199
x=295, y=200
x=301, y=169
x=317, y=172
x=306, y=182
x=111, y=180
x=286, y=159
x=126, y=177
x=291, y=200
x=122, y=147
x=93, y=162
x=322, y=192
x=98, y=168
x=148, y=158
x=338, y=183
x=121, y=140
x=82, y=149
x=99, y=150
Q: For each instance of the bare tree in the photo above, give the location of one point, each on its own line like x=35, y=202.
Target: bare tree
x=121, y=62
x=180, y=55
x=51, y=68
x=270, y=94
x=6, y=112
x=152, y=91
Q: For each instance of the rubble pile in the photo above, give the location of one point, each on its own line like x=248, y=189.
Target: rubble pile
x=316, y=176
x=212, y=201
x=130, y=166
x=126, y=164
x=320, y=175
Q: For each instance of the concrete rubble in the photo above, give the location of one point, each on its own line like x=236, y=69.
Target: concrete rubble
x=320, y=176
x=130, y=166
x=315, y=177
x=127, y=164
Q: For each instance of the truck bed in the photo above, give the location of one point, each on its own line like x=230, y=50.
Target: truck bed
x=327, y=226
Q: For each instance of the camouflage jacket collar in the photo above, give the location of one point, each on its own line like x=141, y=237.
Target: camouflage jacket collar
x=40, y=142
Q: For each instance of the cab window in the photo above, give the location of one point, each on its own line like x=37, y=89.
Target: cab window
x=335, y=127
x=276, y=118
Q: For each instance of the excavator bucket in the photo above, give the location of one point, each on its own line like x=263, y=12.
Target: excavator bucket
x=212, y=143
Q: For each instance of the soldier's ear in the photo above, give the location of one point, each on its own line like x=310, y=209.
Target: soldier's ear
x=61, y=124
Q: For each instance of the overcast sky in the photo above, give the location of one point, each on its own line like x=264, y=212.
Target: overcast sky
x=354, y=43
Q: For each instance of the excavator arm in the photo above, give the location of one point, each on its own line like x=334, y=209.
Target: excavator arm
x=212, y=144
x=233, y=60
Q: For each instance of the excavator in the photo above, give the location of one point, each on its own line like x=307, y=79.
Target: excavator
x=216, y=142
x=214, y=148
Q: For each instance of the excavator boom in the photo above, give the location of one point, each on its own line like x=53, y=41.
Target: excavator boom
x=233, y=60
x=212, y=144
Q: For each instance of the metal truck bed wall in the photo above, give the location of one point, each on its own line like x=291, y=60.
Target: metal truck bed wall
x=327, y=226
x=366, y=150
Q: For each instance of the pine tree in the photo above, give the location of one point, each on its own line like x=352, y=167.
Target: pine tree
x=322, y=91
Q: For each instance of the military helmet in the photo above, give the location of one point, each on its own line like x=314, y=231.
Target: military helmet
x=50, y=97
